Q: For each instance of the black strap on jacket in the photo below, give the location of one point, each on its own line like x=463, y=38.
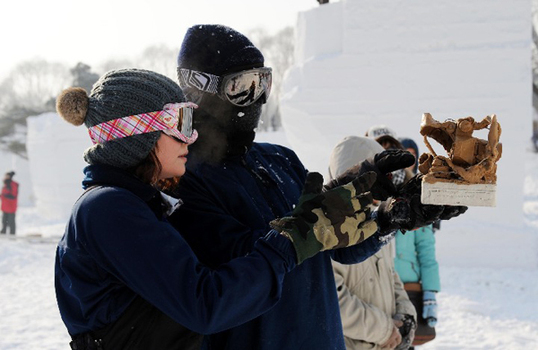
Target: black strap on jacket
x=86, y=341
x=141, y=327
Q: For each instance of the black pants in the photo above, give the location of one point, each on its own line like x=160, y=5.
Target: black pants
x=8, y=220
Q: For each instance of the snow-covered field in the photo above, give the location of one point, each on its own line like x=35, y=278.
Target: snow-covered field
x=480, y=308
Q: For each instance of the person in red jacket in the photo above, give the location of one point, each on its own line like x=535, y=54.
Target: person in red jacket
x=10, y=192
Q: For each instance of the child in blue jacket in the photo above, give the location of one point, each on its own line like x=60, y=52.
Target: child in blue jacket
x=417, y=265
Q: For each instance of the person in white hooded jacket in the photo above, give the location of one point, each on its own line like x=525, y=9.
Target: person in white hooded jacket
x=371, y=296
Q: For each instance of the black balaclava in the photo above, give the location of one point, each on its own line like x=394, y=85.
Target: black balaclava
x=225, y=129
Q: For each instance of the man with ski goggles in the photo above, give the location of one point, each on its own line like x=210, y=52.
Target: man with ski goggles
x=235, y=187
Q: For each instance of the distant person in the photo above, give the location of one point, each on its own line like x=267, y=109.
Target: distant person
x=10, y=192
x=373, y=302
x=418, y=268
x=124, y=277
x=386, y=137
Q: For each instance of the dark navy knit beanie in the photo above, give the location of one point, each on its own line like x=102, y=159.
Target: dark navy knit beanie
x=409, y=143
x=117, y=94
x=218, y=50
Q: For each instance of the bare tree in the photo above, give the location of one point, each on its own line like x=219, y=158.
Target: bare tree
x=83, y=76
x=29, y=89
x=534, y=60
x=31, y=84
x=114, y=63
x=160, y=59
x=278, y=52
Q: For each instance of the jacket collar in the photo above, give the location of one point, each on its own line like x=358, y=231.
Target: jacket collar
x=160, y=203
x=106, y=175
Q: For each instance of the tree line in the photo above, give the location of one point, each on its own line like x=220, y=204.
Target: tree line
x=31, y=87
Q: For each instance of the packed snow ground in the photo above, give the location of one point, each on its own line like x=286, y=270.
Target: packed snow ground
x=479, y=308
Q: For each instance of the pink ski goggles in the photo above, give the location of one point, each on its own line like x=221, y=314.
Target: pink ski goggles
x=174, y=120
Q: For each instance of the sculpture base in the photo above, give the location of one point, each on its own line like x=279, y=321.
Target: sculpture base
x=449, y=193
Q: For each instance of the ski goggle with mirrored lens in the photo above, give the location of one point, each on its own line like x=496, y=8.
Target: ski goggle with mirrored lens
x=175, y=119
x=241, y=89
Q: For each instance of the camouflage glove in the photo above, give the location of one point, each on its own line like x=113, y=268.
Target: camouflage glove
x=327, y=220
x=406, y=212
x=383, y=164
x=407, y=330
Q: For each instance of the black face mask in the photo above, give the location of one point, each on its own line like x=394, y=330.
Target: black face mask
x=232, y=119
x=224, y=129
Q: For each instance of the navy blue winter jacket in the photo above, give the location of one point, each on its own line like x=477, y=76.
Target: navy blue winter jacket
x=237, y=199
x=118, y=246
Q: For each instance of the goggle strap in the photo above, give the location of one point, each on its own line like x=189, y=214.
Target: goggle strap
x=200, y=80
x=133, y=125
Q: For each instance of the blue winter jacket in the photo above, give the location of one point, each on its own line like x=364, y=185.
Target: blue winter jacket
x=117, y=246
x=237, y=199
x=415, y=258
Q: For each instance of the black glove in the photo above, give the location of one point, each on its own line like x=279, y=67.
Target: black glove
x=407, y=330
x=382, y=164
x=406, y=212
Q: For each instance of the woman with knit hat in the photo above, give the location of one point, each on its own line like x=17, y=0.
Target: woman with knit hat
x=124, y=277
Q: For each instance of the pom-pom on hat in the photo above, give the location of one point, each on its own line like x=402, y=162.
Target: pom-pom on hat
x=117, y=94
x=217, y=49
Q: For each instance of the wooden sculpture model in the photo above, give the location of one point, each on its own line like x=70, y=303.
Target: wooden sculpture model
x=467, y=175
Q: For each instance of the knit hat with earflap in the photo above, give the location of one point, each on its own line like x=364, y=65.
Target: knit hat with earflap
x=217, y=49
x=118, y=94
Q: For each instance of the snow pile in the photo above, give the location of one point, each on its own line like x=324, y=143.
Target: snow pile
x=55, y=153
x=365, y=62
x=30, y=316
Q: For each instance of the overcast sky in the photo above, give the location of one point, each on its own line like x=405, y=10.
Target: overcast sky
x=92, y=31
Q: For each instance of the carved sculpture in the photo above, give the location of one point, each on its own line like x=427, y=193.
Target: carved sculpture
x=469, y=160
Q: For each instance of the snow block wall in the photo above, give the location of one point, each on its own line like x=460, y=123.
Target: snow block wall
x=55, y=151
x=366, y=62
